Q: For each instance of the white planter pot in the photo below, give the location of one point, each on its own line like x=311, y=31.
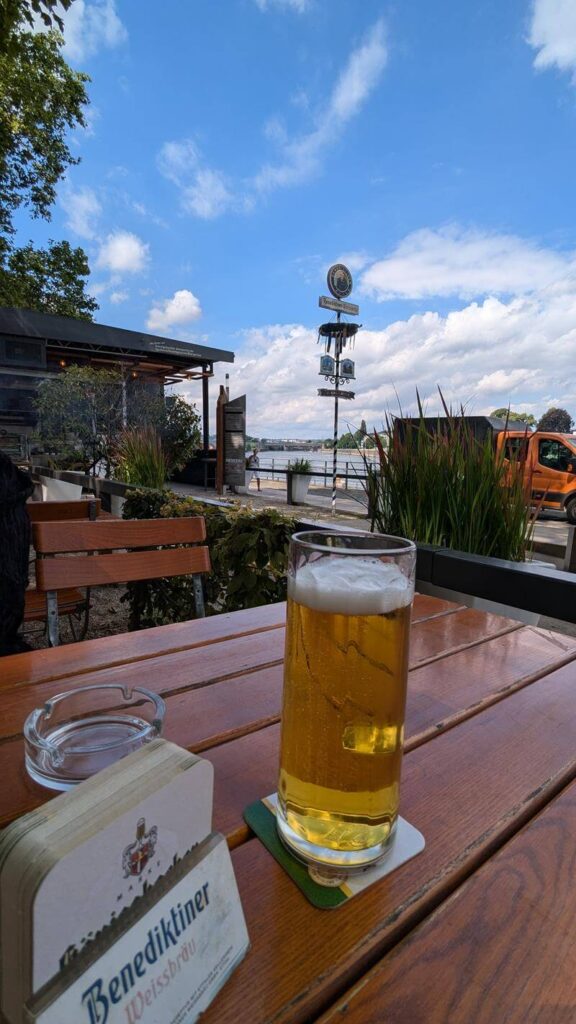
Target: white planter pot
x=300, y=485
x=59, y=490
x=117, y=505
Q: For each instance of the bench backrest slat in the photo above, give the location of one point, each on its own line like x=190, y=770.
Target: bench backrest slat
x=99, y=570
x=106, y=535
x=60, y=511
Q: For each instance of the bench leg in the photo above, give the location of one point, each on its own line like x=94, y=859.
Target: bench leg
x=198, y=596
x=52, y=618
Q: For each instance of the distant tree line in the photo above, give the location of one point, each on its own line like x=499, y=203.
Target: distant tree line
x=555, y=420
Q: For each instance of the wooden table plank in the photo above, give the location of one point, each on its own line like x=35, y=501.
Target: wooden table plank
x=439, y=695
x=468, y=791
x=88, y=656
x=73, y=660
x=460, y=631
x=223, y=658
x=501, y=949
x=203, y=716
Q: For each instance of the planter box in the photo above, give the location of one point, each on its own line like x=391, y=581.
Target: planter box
x=59, y=490
x=300, y=485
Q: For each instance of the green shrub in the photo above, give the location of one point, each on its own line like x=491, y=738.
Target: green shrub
x=248, y=552
x=447, y=488
x=300, y=466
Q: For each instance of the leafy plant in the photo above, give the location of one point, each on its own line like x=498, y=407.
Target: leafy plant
x=51, y=280
x=445, y=487
x=180, y=429
x=248, y=552
x=41, y=99
x=139, y=458
x=300, y=466
x=80, y=411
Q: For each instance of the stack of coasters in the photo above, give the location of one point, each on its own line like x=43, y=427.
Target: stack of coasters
x=328, y=887
x=164, y=959
x=70, y=869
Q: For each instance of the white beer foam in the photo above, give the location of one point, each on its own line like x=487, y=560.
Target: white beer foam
x=351, y=586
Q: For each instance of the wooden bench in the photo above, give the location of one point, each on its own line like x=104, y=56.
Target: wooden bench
x=85, y=554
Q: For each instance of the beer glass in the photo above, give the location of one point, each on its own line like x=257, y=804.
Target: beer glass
x=345, y=674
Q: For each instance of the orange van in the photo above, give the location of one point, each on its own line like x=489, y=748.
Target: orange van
x=550, y=466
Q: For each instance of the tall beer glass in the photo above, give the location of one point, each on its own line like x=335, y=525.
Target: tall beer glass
x=346, y=667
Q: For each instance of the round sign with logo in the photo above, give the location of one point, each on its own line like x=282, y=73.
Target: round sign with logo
x=339, y=281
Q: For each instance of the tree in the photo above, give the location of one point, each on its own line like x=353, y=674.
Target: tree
x=41, y=98
x=514, y=417
x=556, y=420
x=80, y=414
x=14, y=12
x=347, y=441
x=51, y=280
x=180, y=431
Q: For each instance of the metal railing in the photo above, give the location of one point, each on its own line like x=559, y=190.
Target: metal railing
x=273, y=472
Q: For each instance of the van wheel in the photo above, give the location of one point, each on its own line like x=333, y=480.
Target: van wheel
x=571, y=511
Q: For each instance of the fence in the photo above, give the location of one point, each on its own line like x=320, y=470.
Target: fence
x=274, y=472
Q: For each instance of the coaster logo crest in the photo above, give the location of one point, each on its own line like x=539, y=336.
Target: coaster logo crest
x=138, y=853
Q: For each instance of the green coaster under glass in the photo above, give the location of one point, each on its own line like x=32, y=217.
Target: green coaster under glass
x=326, y=888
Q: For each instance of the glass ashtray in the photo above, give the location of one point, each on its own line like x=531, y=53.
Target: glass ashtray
x=78, y=733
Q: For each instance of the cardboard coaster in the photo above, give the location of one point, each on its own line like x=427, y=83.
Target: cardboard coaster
x=326, y=888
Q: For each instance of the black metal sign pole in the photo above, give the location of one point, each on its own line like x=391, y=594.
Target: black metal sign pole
x=338, y=344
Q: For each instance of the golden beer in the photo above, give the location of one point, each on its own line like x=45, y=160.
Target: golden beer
x=346, y=667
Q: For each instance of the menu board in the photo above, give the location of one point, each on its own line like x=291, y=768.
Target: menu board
x=235, y=441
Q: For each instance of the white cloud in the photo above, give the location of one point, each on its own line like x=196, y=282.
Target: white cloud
x=295, y=5
x=300, y=158
x=486, y=355
x=355, y=261
x=176, y=160
x=456, y=261
x=118, y=297
x=90, y=26
x=206, y=192
x=82, y=210
x=553, y=34
x=203, y=191
x=208, y=196
x=123, y=253
x=182, y=308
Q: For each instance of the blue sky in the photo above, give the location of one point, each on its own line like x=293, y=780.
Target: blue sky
x=237, y=148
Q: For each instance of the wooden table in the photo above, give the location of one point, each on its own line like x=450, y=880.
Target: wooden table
x=480, y=927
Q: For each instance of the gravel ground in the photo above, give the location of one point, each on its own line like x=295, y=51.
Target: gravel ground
x=108, y=615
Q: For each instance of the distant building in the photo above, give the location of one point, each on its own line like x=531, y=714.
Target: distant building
x=34, y=346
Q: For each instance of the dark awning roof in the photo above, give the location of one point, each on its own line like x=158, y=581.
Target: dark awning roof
x=90, y=336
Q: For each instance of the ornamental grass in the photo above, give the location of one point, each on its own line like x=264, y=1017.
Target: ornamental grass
x=446, y=487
